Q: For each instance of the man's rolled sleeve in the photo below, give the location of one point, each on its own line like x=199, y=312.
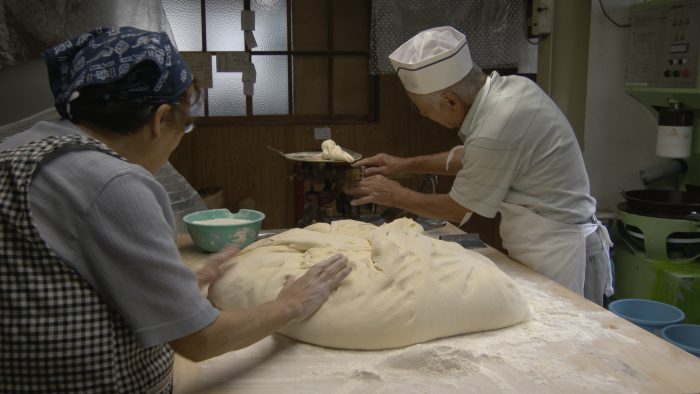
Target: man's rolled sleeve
x=488, y=168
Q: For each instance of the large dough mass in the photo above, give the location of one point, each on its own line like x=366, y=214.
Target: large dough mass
x=405, y=287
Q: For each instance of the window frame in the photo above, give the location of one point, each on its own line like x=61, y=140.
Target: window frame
x=291, y=118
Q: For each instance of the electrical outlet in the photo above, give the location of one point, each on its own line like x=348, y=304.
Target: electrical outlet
x=322, y=133
x=542, y=17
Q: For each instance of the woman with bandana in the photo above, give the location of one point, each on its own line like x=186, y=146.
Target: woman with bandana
x=93, y=294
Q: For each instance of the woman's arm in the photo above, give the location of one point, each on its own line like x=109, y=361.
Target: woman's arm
x=237, y=328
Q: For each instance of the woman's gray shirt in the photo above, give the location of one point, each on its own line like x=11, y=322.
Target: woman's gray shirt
x=111, y=221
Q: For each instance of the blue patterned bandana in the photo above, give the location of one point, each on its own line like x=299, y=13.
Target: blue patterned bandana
x=107, y=55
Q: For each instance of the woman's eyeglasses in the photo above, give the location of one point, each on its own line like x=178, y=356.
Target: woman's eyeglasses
x=189, y=121
x=189, y=125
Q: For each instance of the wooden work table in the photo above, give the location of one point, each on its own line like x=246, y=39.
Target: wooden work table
x=569, y=346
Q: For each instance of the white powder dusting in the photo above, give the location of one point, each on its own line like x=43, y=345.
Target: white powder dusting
x=493, y=358
x=533, y=356
x=220, y=221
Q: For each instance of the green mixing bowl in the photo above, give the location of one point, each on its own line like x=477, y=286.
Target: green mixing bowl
x=212, y=237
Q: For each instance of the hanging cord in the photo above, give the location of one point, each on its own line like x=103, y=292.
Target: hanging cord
x=608, y=16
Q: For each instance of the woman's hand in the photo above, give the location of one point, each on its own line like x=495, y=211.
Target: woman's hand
x=212, y=269
x=308, y=292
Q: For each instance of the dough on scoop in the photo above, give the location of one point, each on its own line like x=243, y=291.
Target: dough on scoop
x=331, y=151
x=405, y=287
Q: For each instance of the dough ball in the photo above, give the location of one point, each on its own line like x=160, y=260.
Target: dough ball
x=405, y=287
x=331, y=151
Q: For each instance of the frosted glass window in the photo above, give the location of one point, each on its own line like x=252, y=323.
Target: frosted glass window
x=226, y=98
x=270, y=24
x=271, y=97
x=184, y=17
x=312, y=79
x=224, y=25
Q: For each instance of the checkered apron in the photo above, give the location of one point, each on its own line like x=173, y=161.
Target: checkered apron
x=57, y=334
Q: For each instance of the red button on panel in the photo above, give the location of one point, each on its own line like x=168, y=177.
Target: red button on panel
x=686, y=73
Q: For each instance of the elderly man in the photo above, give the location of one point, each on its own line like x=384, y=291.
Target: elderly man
x=93, y=294
x=520, y=158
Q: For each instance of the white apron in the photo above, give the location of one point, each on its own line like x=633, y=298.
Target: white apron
x=556, y=250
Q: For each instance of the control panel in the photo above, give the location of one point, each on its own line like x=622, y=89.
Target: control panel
x=664, y=40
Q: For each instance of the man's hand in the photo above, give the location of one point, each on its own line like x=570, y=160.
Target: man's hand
x=212, y=269
x=308, y=292
x=377, y=189
x=381, y=164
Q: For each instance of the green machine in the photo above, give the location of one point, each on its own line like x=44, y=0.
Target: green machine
x=657, y=234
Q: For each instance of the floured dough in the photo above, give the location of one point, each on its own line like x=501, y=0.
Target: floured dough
x=405, y=287
x=331, y=151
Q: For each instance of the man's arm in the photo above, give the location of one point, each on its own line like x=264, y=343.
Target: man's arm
x=388, y=165
x=383, y=191
x=436, y=163
x=439, y=206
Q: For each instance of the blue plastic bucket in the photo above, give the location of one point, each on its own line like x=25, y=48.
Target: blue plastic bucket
x=650, y=315
x=685, y=336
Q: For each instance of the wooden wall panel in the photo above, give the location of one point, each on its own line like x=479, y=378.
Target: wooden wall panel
x=311, y=82
x=309, y=25
x=350, y=85
x=237, y=160
x=351, y=25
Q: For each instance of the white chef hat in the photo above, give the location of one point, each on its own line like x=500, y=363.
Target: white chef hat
x=432, y=60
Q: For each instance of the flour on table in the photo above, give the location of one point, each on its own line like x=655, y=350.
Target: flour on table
x=405, y=287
